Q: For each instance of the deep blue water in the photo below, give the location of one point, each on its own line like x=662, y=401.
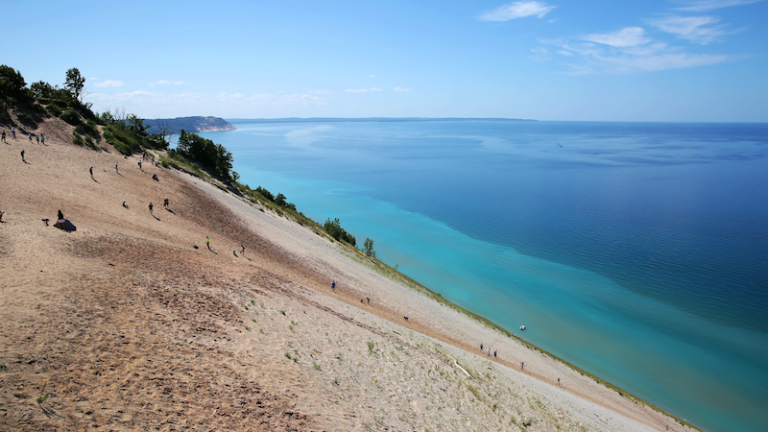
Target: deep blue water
x=638, y=251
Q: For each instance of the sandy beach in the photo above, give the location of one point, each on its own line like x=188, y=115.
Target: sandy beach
x=132, y=323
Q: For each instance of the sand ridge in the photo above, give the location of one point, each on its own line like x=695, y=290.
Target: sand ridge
x=130, y=327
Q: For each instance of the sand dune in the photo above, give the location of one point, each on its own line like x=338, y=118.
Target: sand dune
x=125, y=325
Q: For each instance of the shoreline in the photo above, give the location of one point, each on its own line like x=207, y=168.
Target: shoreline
x=128, y=299
x=421, y=290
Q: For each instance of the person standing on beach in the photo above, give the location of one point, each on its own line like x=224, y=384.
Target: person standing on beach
x=208, y=242
x=116, y=168
x=90, y=170
x=242, y=250
x=22, y=157
x=150, y=208
x=165, y=202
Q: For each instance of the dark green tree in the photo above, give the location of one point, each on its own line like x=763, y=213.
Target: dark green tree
x=74, y=83
x=12, y=84
x=368, y=248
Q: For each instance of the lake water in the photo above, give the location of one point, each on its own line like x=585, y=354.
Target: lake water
x=637, y=251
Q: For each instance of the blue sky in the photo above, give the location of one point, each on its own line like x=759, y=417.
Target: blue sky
x=672, y=60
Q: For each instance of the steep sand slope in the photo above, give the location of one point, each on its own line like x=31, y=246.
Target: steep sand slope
x=129, y=327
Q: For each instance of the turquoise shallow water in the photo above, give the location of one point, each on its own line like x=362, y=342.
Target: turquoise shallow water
x=633, y=251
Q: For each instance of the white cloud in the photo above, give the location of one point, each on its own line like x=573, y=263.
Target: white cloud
x=606, y=59
x=402, y=90
x=373, y=89
x=370, y=76
x=109, y=83
x=225, y=95
x=707, y=5
x=319, y=92
x=520, y=9
x=540, y=54
x=626, y=37
x=167, y=83
x=691, y=28
x=565, y=53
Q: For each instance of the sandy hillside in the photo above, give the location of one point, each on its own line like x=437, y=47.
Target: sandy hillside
x=125, y=325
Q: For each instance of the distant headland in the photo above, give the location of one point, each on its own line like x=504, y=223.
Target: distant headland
x=190, y=124
x=370, y=119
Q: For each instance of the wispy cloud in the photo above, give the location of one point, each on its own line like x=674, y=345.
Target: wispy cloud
x=166, y=83
x=645, y=57
x=319, y=92
x=539, y=54
x=373, y=89
x=109, y=83
x=697, y=29
x=402, y=90
x=626, y=37
x=707, y=5
x=520, y=9
x=225, y=95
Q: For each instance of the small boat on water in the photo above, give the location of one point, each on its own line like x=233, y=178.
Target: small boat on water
x=522, y=327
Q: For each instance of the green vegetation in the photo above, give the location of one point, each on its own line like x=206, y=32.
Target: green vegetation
x=41, y=99
x=368, y=248
x=128, y=134
x=43, y=395
x=334, y=229
x=370, y=347
x=210, y=155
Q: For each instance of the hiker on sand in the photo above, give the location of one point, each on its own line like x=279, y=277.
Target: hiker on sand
x=242, y=250
x=3, y=136
x=42, y=139
x=22, y=157
x=165, y=202
x=558, y=381
x=1, y=215
x=30, y=137
x=116, y=168
x=90, y=170
x=150, y=208
x=522, y=365
x=13, y=132
x=481, y=346
x=140, y=166
x=494, y=353
x=208, y=242
x=333, y=285
x=38, y=138
x=489, y=352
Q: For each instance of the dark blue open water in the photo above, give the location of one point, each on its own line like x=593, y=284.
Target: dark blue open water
x=637, y=251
